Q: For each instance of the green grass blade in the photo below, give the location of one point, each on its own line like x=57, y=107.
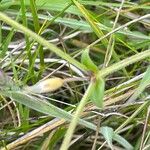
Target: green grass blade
x=91, y=21
x=35, y=16
x=143, y=84
x=123, y=142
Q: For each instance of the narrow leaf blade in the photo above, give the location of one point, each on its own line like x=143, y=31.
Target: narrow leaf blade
x=144, y=82
x=123, y=142
x=43, y=106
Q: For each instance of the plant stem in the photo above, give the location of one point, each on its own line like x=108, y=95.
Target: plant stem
x=75, y=119
x=117, y=66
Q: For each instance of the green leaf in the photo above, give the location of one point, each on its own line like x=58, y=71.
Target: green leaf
x=123, y=142
x=56, y=138
x=108, y=135
x=86, y=60
x=98, y=92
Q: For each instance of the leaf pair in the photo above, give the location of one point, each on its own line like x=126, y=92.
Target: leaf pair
x=97, y=93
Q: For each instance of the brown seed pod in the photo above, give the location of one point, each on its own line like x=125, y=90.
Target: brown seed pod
x=45, y=86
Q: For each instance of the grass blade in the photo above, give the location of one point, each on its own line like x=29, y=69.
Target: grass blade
x=143, y=84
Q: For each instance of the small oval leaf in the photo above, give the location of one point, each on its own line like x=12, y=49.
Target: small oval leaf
x=98, y=92
x=86, y=60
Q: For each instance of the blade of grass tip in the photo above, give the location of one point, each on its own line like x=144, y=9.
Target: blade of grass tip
x=108, y=134
x=111, y=42
x=58, y=15
x=75, y=118
x=143, y=84
x=86, y=60
x=117, y=66
x=42, y=41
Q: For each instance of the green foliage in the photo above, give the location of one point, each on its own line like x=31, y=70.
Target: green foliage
x=122, y=142
x=97, y=94
x=86, y=60
x=37, y=42
x=143, y=84
x=110, y=135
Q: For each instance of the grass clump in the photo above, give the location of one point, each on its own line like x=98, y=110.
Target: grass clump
x=74, y=74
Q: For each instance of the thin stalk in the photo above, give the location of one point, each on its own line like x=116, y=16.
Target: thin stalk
x=132, y=116
x=145, y=128
x=119, y=28
x=75, y=119
x=111, y=42
x=58, y=15
x=117, y=66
